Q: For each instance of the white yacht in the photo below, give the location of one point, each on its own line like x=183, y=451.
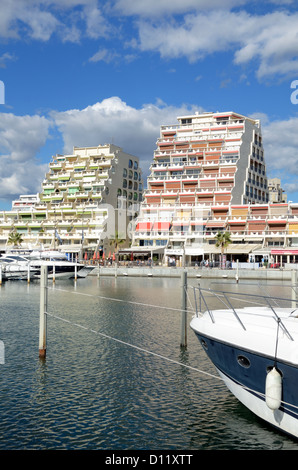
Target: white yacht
x=58, y=264
x=255, y=351
x=16, y=268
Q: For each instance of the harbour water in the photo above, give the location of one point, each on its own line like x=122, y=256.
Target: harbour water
x=115, y=376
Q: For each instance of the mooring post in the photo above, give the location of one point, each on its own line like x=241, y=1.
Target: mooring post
x=43, y=312
x=237, y=272
x=183, y=342
x=294, y=287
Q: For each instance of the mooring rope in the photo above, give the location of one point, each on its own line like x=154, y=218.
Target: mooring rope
x=132, y=345
x=160, y=356
x=121, y=300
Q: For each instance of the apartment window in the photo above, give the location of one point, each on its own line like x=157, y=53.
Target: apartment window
x=161, y=242
x=136, y=166
x=193, y=172
x=179, y=159
x=125, y=173
x=124, y=183
x=130, y=164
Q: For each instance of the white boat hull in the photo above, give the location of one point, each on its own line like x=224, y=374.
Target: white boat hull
x=277, y=418
x=246, y=345
x=59, y=267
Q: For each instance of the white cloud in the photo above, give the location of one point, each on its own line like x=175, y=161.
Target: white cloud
x=40, y=19
x=7, y=56
x=189, y=28
x=96, y=24
x=104, y=55
x=249, y=37
x=21, y=138
x=281, y=148
x=113, y=121
x=19, y=15
x=156, y=8
x=137, y=130
x=290, y=188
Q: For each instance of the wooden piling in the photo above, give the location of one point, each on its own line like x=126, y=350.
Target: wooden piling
x=43, y=312
x=183, y=341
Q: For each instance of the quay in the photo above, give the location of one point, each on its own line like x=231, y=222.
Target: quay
x=261, y=274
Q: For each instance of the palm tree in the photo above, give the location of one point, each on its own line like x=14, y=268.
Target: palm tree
x=223, y=239
x=115, y=242
x=15, y=238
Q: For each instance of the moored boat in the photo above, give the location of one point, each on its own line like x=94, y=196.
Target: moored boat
x=255, y=351
x=58, y=264
x=16, y=268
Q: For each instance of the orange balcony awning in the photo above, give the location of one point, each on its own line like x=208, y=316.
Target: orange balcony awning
x=161, y=226
x=144, y=226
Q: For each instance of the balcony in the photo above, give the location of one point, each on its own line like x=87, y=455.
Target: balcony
x=56, y=166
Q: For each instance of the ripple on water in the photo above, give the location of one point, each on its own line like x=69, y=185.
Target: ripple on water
x=95, y=393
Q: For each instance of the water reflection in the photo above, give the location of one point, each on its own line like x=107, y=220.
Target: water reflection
x=95, y=393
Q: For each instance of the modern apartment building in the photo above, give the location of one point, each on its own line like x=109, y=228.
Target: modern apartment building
x=208, y=175
x=210, y=158
x=276, y=193
x=83, y=202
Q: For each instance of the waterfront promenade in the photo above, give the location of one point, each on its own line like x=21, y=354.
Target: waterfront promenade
x=261, y=274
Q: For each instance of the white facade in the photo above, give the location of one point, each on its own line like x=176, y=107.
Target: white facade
x=78, y=208
x=209, y=175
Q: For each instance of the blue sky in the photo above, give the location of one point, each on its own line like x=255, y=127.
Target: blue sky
x=89, y=72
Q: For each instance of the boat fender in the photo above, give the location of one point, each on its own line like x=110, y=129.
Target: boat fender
x=273, y=389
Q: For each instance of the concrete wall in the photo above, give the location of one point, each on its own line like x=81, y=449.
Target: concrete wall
x=258, y=274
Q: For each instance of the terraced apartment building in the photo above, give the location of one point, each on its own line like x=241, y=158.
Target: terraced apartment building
x=80, y=193
x=209, y=174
